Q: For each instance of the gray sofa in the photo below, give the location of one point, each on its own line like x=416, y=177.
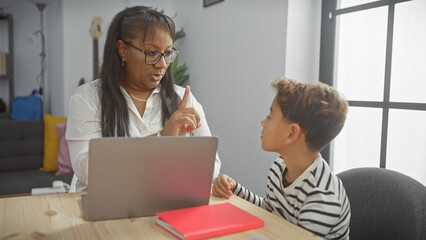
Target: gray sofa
x=21, y=156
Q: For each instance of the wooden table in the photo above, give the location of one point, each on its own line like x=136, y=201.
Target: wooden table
x=60, y=216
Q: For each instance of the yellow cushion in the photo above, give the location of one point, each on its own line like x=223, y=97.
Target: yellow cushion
x=51, y=149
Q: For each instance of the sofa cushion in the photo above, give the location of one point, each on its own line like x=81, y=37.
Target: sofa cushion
x=18, y=130
x=20, y=163
x=51, y=149
x=64, y=159
x=24, y=181
x=21, y=145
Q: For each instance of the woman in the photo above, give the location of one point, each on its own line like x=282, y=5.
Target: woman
x=135, y=95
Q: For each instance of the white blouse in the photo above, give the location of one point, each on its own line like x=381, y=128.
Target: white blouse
x=84, y=123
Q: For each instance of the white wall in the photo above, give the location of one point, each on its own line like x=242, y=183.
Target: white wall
x=233, y=49
x=303, y=40
x=27, y=46
x=55, y=58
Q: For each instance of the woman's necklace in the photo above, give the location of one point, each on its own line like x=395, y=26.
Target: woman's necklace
x=138, y=99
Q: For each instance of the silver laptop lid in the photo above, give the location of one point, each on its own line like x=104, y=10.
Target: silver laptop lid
x=133, y=177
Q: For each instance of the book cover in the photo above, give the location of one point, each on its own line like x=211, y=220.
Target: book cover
x=207, y=221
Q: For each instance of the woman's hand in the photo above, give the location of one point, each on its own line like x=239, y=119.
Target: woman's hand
x=184, y=120
x=224, y=186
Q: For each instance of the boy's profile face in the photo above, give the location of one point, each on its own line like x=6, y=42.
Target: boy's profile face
x=275, y=129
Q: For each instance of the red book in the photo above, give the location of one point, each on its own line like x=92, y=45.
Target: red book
x=207, y=221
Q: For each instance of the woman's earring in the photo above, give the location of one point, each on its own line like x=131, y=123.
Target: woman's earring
x=122, y=62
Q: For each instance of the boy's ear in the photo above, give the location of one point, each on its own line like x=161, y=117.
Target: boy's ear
x=122, y=49
x=294, y=133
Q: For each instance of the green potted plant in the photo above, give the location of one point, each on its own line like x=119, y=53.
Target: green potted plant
x=179, y=72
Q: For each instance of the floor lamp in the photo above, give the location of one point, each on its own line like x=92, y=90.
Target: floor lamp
x=43, y=89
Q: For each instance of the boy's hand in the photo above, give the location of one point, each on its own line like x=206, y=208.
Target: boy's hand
x=224, y=186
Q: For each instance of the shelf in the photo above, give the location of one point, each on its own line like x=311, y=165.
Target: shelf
x=9, y=77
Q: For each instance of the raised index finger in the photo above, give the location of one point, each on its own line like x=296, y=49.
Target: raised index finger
x=185, y=98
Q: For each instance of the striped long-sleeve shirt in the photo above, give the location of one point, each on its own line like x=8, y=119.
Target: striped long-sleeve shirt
x=316, y=200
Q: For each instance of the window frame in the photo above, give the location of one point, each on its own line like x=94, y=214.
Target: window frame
x=329, y=15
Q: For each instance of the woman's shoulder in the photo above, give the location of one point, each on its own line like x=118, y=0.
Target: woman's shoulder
x=88, y=88
x=179, y=90
x=89, y=91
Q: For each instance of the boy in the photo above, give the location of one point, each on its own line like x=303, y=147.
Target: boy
x=303, y=119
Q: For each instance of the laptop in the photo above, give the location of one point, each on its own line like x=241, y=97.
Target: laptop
x=135, y=177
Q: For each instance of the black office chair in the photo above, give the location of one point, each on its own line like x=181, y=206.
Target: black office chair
x=385, y=204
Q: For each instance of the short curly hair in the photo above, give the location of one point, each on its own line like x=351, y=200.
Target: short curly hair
x=317, y=107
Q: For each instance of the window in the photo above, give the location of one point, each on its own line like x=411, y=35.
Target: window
x=374, y=53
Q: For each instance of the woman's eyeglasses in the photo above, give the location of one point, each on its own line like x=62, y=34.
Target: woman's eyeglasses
x=152, y=58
